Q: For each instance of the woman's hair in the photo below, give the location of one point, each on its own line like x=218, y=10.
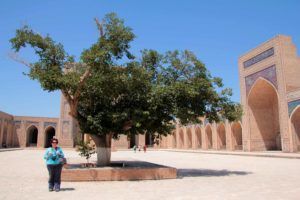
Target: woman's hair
x=54, y=139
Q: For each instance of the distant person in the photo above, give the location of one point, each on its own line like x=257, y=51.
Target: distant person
x=134, y=148
x=54, y=157
x=140, y=147
x=145, y=148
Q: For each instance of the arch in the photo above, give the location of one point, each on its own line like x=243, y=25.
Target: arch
x=189, y=138
x=49, y=134
x=294, y=111
x=31, y=136
x=208, y=133
x=163, y=141
x=4, y=136
x=198, y=137
x=221, y=142
x=132, y=140
x=262, y=79
x=149, y=140
x=295, y=124
x=264, y=116
x=174, y=142
x=237, y=139
x=181, y=138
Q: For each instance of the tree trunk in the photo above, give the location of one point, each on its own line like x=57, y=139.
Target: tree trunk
x=103, y=149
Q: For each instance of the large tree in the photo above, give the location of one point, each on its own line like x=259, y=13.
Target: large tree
x=110, y=92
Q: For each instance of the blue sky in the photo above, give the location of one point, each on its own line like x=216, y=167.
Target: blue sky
x=217, y=31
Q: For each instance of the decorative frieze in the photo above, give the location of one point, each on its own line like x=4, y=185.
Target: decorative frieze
x=28, y=123
x=66, y=129
x=259, y=57
x=268, y=74
x=293, y=95
x=53, y=124
x=17, y=124
x=17, y=121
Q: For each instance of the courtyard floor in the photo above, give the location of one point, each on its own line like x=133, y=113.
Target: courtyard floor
x=201, y=176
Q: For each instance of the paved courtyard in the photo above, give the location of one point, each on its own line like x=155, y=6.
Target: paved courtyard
x=201, y=176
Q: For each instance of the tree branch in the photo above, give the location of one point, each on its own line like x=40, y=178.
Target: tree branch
x=81, y=83
x=127, y=125
x=100, y=27
x=15, y=57
x=73, y=99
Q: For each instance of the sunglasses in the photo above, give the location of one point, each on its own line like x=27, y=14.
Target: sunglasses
x=54, y=142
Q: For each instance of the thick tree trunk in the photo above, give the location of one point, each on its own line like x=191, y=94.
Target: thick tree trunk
x=103, y=149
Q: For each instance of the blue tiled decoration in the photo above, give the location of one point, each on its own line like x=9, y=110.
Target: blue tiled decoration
x=268, y=73
x=259, y=57
x=53, y=124
x=292, y=105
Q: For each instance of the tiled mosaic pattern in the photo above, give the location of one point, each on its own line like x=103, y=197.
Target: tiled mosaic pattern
x=292, y=105
x=259, y=57
x=268, y=73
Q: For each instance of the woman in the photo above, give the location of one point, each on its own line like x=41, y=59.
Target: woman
x=54, y=157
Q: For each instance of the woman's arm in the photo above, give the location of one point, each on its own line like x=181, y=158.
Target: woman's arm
x=62, y=155
x=46, y=155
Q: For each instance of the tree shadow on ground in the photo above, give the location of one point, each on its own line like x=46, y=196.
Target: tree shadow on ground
x=67, y=189
x=181, y=173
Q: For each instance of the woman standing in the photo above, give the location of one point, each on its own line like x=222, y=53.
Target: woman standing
x=54, y=157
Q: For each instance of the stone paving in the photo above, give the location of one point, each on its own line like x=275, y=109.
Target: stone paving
x=273, y=154
x=201, y=176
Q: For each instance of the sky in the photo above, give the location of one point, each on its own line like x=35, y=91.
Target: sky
x=217, y=31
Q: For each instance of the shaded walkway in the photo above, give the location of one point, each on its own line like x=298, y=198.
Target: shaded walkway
x=207, y=172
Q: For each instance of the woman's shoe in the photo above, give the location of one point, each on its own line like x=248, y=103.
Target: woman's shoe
x=56, y=187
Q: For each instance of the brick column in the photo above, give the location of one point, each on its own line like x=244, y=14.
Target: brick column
x=214, y=136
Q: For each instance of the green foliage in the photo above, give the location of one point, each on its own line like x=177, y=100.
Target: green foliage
x=124, y=95
x=234, y=111
x=111, y=46
x=85, y=149
x=48, y=70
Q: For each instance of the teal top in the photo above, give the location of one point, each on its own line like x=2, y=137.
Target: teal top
x=53, y=156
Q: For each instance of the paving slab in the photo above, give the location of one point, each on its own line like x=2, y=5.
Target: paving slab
x=201, y=176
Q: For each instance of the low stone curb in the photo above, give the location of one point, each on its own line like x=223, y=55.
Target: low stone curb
x=131, y=171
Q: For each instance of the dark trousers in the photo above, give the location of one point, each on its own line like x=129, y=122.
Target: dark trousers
x=54, y=175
